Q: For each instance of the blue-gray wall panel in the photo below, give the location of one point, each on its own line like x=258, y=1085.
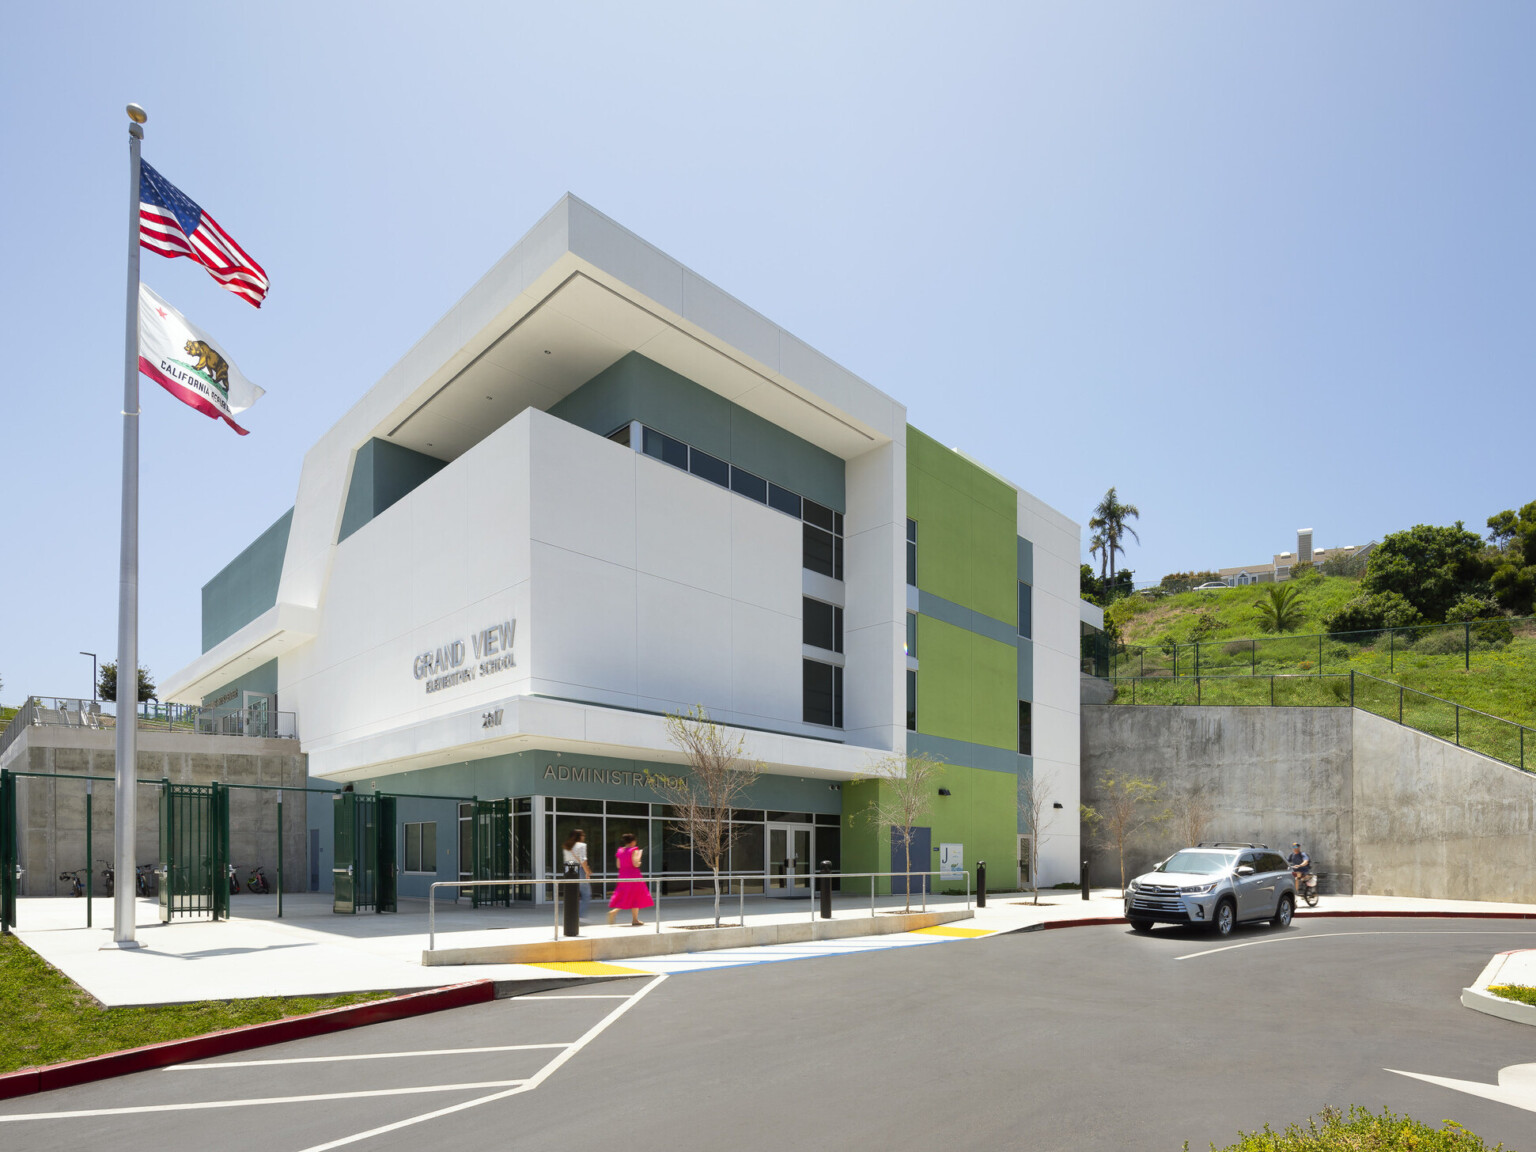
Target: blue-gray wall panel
x=382, y=474
x=635, y=388
x=965, y=754
x=247, y=586
x=972, y=621
x=1026, y=668
x=1026, y=561
x=262, y=678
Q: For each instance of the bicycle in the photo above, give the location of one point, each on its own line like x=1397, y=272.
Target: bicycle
x=234, y=880
x=144, y=880
x=76, y=884
x=258, y=882
x=108, y=877
x=1306, y=886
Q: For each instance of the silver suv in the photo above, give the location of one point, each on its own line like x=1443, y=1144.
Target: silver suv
x=1220, y=885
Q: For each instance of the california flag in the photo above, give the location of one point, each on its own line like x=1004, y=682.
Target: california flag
x=189, y=364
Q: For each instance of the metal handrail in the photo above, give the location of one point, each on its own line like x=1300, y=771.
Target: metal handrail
x=83, y=712
x=657, y=879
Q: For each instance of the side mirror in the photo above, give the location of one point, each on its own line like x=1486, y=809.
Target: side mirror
x=1245, y=870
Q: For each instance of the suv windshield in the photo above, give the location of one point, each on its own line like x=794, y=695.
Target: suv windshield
x=1198, y=863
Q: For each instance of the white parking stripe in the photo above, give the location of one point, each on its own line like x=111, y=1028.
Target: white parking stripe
x=192, y=1107
x=538, y=1078
x=359, y=1056
x=1331, y=935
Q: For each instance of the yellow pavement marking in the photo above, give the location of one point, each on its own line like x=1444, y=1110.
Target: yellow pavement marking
x=943, y=931
x=590, y=968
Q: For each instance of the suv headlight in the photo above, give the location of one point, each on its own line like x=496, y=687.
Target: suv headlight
x=1133, y=886
x=1198, y=889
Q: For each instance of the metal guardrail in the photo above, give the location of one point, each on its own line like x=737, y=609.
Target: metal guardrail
x=78, y=712
x=1503, y=740
x=659, y=878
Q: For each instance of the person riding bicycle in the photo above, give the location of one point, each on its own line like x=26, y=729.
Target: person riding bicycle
x=1300, y=862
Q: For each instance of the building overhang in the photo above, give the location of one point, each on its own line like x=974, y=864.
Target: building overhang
x=527, y=722
x=276, y=632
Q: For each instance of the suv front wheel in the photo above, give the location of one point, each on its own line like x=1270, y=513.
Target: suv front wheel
x=1225, y=919
x=1284, y=911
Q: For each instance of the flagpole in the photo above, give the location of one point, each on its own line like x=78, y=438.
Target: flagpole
x=125, y=825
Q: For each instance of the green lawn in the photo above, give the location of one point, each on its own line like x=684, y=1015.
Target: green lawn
x=1518, y=992
x=45, y=1017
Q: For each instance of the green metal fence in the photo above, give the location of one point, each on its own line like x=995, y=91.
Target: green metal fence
x=1502, y=740
x=1427, y=645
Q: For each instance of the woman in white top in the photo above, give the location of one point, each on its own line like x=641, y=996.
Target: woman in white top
x=574, y=855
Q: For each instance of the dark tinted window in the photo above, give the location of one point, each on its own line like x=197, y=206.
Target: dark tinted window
x=666, y=449
x=1026, y=610
x=911, y=700
x=784, y=500
x=1271, y=862
x=1026, y=728
x=912, y=634
x=1251, y=859
x=750, y=486
x=620, y=435
x=912, y=553
x=624, y=808
x=820, y=551
x=711, y=468
x=815, y=514
x=822, y=696
x=822, y=625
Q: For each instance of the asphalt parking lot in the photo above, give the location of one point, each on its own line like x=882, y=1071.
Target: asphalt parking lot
x=1087, y=1038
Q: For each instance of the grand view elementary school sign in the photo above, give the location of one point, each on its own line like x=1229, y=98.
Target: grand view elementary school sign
x=444, y=667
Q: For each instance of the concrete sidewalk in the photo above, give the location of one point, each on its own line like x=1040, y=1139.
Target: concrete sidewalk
x=313, y=951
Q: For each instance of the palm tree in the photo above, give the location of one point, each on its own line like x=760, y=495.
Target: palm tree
x=1096, y=547
x=1280, y=609
x=1110, y=518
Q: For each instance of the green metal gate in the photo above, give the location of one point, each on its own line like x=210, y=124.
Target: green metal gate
x=194, y=851
x=493, y=852
x=9, y=852
x=364, y=874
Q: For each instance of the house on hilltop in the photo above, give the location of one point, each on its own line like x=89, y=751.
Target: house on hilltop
x=1279, y=566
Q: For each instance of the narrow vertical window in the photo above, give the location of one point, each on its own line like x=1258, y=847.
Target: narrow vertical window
x=911, y=700
x=1026, y=738
x=822, y=694
x=912, y=552
x=912, y=635
x=1026, y=610
x=821, y=625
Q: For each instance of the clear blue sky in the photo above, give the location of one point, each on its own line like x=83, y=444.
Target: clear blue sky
x=1260, y=266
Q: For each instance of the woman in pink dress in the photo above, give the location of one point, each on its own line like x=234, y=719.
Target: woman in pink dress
x=631, y=891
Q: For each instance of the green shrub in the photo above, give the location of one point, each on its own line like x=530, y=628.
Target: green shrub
x=1340, y=564
x=1361, y=1131
x=1521, y=992
x=1372, y=613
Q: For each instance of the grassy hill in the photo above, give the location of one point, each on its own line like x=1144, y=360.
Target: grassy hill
x=1159, y=634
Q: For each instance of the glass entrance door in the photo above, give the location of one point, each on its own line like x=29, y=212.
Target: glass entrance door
x=788, y=867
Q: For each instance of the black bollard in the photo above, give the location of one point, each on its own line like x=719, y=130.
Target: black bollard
x=826, y=889
x=981, y=883
x=571, y=894
x=1085, y=879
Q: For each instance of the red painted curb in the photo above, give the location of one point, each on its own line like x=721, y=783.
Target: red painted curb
x=72, y=1072
x=1086, y=922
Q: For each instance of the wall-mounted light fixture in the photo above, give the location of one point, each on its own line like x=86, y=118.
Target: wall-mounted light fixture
x=1057, y=804
x=943, y=791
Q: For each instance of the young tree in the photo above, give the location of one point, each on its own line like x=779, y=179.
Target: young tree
x=905, y=789
x=1192, y=814
x=702, y=801
x=1430, y=567
x=1124, y=810
x=1109, y=517
x=1036, y=812
x=106, y=683
x=1280, y=609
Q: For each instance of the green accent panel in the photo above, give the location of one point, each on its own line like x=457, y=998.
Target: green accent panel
x=967, y=525
x=247, y=586
x=966, y=685
x=260, y=679
x=981, y=812
x=635, y=388
x=382, y=474
x=865, y=844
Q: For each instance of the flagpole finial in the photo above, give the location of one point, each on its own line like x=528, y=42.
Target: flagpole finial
x=137, y=114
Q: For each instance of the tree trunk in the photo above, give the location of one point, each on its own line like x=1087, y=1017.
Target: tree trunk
x=717, y=897
x=906, y=849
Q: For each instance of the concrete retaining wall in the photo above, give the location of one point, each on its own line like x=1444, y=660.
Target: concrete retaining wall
x=51, y=813
x=1435, y=820
x=1382, y=809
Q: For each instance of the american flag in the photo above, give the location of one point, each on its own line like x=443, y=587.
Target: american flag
x=172, y=225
